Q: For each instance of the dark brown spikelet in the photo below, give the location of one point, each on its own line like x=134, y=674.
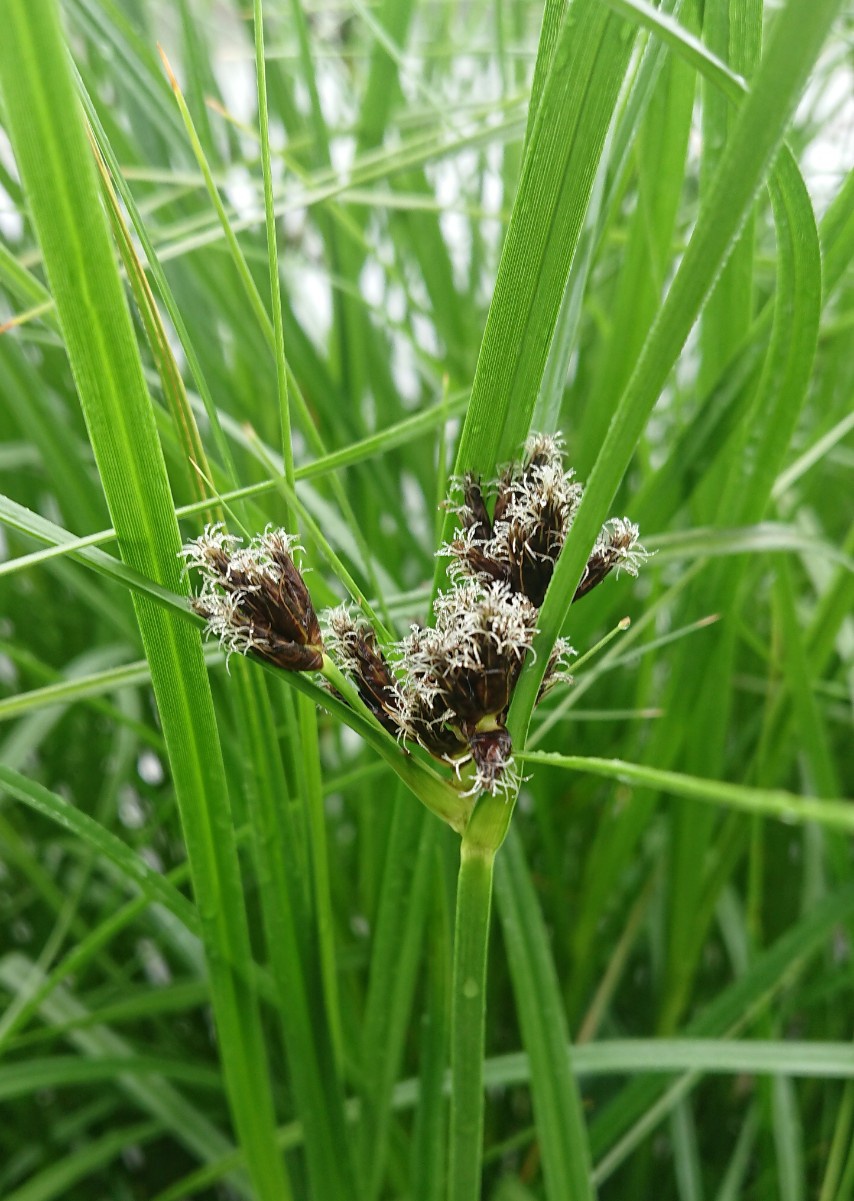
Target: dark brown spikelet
x=469, y=548
x=616, y=548
x=476, y=651
x=255, y=600
x=503, y=494
x=354, y=646
x=448, y=687
x=557, y=669
x=458, y=678
x=532, y=559
x=492, y=752
x=533, y=514
x=535, y=505
x=473, y=513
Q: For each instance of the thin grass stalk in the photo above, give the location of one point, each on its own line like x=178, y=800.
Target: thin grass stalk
x=308, y=1045
x=402, y=913
x=321, y=886
x=48, y=137
x=483, y=837
x=468, y=1019
x=558, y=1108
x=118, y=182
x=272, y=251
x=271, y=329
x=170, y=377
x=429, y=1140
x=307, y=713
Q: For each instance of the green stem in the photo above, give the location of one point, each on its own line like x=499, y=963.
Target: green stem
x=313, y=788
x=468, y=1018
x=272, y=252
x=434, y=792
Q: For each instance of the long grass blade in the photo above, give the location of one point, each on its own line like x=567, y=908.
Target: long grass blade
x=49, y=142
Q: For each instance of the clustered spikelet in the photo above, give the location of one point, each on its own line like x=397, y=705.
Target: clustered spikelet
x=458, y=676
x=254, y=599
x=353, y=645
x=446, y=687
x=535, y=505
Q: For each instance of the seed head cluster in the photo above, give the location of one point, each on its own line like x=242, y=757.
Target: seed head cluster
x=254, y=599
x=535, y=505
x=446, y=687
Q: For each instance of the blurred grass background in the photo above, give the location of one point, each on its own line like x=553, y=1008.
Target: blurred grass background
x=700, y=955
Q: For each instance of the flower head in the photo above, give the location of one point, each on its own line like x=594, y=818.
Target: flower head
x=534, y=510
x=535, y=506
x=254, y=599
x=353, y=644
x=461, y=675
x=616, y=548
x=491, y=753
x=446, y=687
x=457, y=678
x=558, y=667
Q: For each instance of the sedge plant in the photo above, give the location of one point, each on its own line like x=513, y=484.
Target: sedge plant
x=295, y=297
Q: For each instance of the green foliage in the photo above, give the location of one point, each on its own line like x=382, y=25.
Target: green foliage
x=300, y=275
